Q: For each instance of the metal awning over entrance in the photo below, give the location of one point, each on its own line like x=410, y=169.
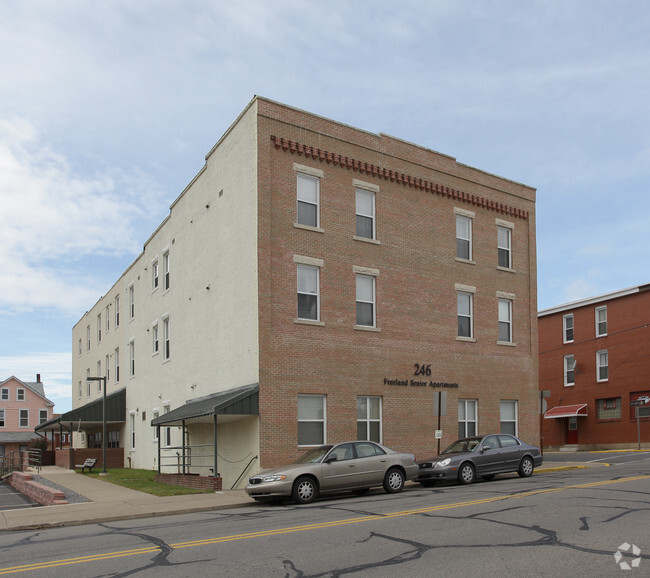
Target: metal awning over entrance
x=576, y=410
x=238, y=401
x=91, y=413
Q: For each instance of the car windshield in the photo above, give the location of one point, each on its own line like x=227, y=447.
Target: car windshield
x=313, y=456
x=462, y=446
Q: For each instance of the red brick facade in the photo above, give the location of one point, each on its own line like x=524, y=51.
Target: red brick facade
x=611, y=420
x=416, y=274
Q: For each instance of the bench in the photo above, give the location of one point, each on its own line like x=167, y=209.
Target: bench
x=89, y=463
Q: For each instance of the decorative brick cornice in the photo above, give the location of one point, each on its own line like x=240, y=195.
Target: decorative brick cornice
x=394, y=176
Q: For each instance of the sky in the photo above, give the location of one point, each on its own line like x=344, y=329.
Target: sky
x=107, y=110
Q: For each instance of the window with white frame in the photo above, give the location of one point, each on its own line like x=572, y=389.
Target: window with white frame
x=369, y=418
x=465, y=314
x=154, y=339
x=88, y=338
x=505, y=320
x=166, y=279
x=87, y=383
x=467, y=417
x=81, y=389
x=116, y=362
x=131, y=301
x=24, y=418
x=311, y=420
x=99, y=373
x=42, y=416
x=308, y=292
x=99, y=328
x=504, y=247
x=117, y=311
x=107, y=316
x=2, y=417
x=131, y=358
x=308, y=198
x=168, y=430
x=602, y=365
x=166, y=342
x=107, y=365
x=154, y=275
x=366, y=299
x=508, y=411
x=155, y=415
x=464, y=237
x=132, y=429
x=601, y=321
x=567, y=328
x=365, y=203
x=4, y=394
x=608, y=408
x=569, y=370
x=80, y=346
x=20, y=394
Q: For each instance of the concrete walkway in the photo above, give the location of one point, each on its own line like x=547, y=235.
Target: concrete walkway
x=110, y=502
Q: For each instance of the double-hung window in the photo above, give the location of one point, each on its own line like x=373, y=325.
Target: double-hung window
x=88, y=338
x=2, y=420
x=308, y=292
x=132, y=301
x=601, y=321
x=166, y=279
x=155, y=339
x=505, y=320
x=369, y=418
x=132, y=358
x=311, y=420
x=463, y=235
x=308, y=200
x=116, y=357
x=20, y=394
x=504, y=244
x=117, y=311
x=465, y=307
x=602, y=365
x=42, y=416
x=24, y=418
x=99, y=328
x=569, y=370
x=365, y=212
x=567, y=328
x=366, y=299
x=107, y=364
x=4, y=395
x=467, y=418
x=154, y=275
x=166, y=343
x=508, y=411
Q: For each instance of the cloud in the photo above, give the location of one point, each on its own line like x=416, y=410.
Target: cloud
x=52, y=217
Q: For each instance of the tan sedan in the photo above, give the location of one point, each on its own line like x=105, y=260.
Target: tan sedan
x=355, y=466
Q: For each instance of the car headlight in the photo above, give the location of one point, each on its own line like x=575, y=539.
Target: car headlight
x=442, y=463
x=274, y=478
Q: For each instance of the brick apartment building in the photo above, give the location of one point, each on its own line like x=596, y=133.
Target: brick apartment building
x=594, y=360
x=316, y=283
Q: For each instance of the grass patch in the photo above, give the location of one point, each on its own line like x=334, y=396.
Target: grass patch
x=143, y=481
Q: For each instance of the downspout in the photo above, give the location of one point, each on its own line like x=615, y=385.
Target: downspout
x=158, y=438
x=214, y=426
x=183, y=442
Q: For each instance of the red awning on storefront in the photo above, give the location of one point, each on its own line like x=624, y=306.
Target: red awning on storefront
x=578, y=410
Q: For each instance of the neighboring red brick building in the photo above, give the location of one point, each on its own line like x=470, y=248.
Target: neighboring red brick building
x=594, y=359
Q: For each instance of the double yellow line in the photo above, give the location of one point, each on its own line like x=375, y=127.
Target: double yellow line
x=307, y=527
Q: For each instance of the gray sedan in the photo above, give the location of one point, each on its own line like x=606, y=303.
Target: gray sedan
x=483, y=456
x=356, y=466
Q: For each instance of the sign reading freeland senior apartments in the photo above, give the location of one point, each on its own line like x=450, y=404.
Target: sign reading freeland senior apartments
x=420, y=370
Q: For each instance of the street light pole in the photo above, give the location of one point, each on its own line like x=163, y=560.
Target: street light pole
x=103, y=380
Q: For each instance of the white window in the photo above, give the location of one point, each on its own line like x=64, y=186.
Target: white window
x=154, y=338
x=24, y=418
x=88, y=338
x=4, y=395
x=166, y=343
x=131, y=358
x=567, y=324
x=308, y=200
x=508, y=411
x=168, y=430
x=42, y=416
x=166, y=279
x=132, y=429
x=602, y=365
x=569, y=370
x=154, y=275
x=465, y=316
x=369, y=418
x=366, y=292
x=311, y=420
x=116, y=357
x=117, y=311
x=505, y=320
x=467, y=418
x=108, y=317
x=87, y=383
x=2, y=421
x=504, y=242
x=365, y=214
x=463, y=237
x=20, y=394
x=108, y=368
x=601, y=321
x=99, y=373
x=155, y=415
x=80, y=346
x=99, y=328
x=132, y=301
x=308, y=292
x=81, y=389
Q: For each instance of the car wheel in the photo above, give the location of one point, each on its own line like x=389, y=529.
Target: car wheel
x=428, y=483
x=466, y=473
x=488, y=477
x=394, y=481
x=526, y=468
x=304, y=490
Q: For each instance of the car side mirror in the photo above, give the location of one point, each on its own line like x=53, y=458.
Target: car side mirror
x=330, y=459
x=486, y=448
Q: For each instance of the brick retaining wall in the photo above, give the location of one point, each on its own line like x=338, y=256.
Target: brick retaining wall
x=25, y=484
x=197, y=482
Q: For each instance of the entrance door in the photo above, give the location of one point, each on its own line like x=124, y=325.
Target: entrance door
x=572, y=431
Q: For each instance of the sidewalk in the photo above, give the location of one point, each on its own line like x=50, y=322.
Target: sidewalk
x=109, y=502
